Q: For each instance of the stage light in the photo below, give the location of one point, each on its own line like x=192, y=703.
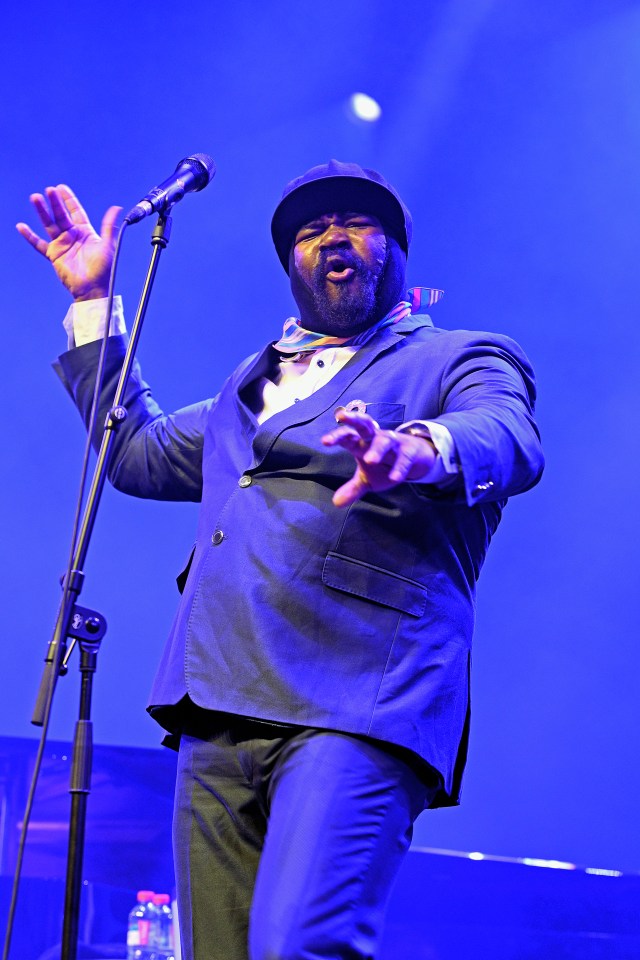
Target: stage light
x=549, y=864
x=365, y=107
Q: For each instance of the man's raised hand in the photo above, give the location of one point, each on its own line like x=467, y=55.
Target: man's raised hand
x=81, y=257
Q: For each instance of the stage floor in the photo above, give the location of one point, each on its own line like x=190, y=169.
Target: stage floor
x=447, y=905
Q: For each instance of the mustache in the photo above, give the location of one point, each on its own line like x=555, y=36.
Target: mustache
x=347, y=258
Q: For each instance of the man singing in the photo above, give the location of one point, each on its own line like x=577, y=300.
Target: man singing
x=351, y=475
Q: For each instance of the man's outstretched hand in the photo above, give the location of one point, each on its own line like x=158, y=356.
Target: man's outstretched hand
x=81, y=257
x=384, y=458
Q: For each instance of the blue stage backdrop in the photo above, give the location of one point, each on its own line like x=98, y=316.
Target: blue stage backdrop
x=512, y=128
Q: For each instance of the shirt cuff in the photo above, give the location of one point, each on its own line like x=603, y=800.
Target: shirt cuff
x=447, y=464
x=85, y=321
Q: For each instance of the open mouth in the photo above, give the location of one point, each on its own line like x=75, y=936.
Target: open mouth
x=338, y=270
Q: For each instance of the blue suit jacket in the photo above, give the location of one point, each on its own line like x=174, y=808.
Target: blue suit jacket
x=293, y=610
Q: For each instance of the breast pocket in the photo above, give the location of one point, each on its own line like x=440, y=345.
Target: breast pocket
x=388, y=415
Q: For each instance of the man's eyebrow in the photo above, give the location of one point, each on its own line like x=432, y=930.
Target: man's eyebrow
x=311, y=223
x=325, y=216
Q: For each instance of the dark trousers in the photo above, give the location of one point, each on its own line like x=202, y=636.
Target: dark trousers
x=287, y=842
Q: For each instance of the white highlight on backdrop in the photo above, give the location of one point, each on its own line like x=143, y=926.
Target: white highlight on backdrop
x=365, y=107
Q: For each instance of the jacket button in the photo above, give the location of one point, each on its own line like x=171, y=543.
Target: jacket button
x=217, y=538
x=245, y=480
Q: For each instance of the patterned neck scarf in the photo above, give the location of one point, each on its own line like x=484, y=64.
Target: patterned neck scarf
x=296, y=341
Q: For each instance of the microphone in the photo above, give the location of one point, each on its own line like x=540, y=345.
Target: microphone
x=191, y=174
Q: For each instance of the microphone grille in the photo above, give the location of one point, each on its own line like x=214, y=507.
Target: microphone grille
x=203, y=166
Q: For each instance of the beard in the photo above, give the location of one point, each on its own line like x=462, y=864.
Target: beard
x=348, y=308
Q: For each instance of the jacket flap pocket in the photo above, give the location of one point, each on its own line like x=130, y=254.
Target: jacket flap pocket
x=374, y=583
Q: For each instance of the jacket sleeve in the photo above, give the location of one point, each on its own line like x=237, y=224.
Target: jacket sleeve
x=487, y=398
x=153, y=455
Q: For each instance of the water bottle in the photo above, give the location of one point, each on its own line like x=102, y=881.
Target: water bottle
x=163, y=928
x=177, y=946
x=142, y=921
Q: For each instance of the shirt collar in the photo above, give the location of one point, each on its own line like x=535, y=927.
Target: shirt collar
x=296, y=340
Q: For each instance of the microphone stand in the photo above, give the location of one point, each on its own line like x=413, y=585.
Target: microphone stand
x=87, y=627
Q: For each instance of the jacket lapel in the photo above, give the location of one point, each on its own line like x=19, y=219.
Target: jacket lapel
x=265, y=434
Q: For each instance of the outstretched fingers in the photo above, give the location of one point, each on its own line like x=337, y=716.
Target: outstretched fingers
x=41, y=207
x=383, y=458
x=345, y=437
x=404, y=462
x=399, y=452
x=355, y=431
x=70, y=204
x=44, y=213
x=81, y=258
x=383, y=443
x=61, y=215
x=54, y=217
x=352, y=490
x=36, y=242
x=109, y=227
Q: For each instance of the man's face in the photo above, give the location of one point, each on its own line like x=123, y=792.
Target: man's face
x=337, y=264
